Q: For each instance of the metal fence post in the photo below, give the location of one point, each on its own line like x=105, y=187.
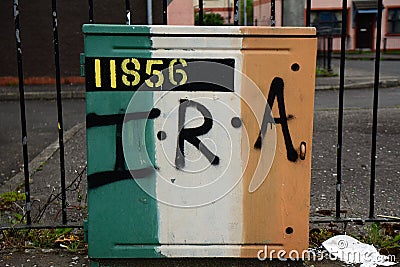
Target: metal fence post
x=201, y=12
x=340, y=117
x=128, y=12
x=324, y=51
x=22, y=112
x=60, y=124
x=149, y=12
x=165, y=12
x=91, y=19
x=375, y=109
x=330, y=45
x=273, y=13
x=236, y=12
x=308, y=13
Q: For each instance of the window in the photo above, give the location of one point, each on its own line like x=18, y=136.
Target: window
x=394, y=21
x=327, y=21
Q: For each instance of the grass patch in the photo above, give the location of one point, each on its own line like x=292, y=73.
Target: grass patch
x=385, y=237
x=67, y=238
x=319, y=235
x=324, y=73
x=360, y=52
x=40, y=167
x=392, y=52
x=12, y=206
x=8, y=198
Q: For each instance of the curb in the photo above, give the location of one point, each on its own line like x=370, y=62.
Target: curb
x=364, y=85
x=43, y=95
x=39, y=160
x=82, y=94
x=368, y=58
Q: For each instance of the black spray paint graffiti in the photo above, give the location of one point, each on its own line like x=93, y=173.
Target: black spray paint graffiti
x=191, y=134
x=276, y=91
x=187, y=134
x=119, y=173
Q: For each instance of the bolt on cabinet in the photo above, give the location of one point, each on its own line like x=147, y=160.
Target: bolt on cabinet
x=198, y=140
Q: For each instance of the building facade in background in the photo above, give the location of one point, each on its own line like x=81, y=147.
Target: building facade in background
x=37, y=36
x=326, y=16
x=262, y=12
x=180, y=12
x=222, y=7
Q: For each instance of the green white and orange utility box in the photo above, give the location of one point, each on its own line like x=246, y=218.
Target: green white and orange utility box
x=198, y=140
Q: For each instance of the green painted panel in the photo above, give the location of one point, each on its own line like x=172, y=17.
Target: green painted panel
x=110, y=29
x=121, y=214
x=122, y=218
x=114, y=41
x=102, y=140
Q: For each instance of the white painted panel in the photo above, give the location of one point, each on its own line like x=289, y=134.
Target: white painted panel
x=167, y=30
x=199, y=251
x=216, y=38
x=217, y=43
x=199, y=203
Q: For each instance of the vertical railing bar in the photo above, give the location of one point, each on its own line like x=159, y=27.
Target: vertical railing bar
x=165, y=12
x=325, y=52
x=91, y=12
x=149, y=12
x=273, y=13
x=375, y=109
x=330, y=47
x=59, y=110
x=23, y=112
x=128, y=12
x=308, y=13
x=201, y=12
x=340, y=116
x=236, y=12
x=245, y=12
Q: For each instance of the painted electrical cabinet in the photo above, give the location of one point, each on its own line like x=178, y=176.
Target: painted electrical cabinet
x=198, y=140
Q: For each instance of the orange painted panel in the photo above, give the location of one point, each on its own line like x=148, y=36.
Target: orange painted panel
x=283, y=67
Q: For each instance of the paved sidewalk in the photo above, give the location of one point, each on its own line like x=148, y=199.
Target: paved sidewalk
x=368, y=56
x=45, y=179
x=47, y=92
x=42, y=92
x=355, y=78
x=45, y=167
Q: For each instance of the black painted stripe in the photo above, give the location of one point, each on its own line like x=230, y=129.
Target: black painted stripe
x=99, y=179
x=94, y=120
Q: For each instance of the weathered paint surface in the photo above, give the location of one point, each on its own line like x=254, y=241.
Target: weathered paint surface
x=211, y=179
x=281, y=205
x=121, y=207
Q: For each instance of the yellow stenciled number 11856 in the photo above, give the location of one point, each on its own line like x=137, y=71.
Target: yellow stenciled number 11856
x=131, y=74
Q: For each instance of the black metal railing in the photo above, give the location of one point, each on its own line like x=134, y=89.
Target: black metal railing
x=327, y=43
x=326, y=47
x=324, y=51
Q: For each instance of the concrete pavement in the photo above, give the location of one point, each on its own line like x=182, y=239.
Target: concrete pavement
x=47, y=92
x=45, y=180
x=45, y=167
x=355, y=78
